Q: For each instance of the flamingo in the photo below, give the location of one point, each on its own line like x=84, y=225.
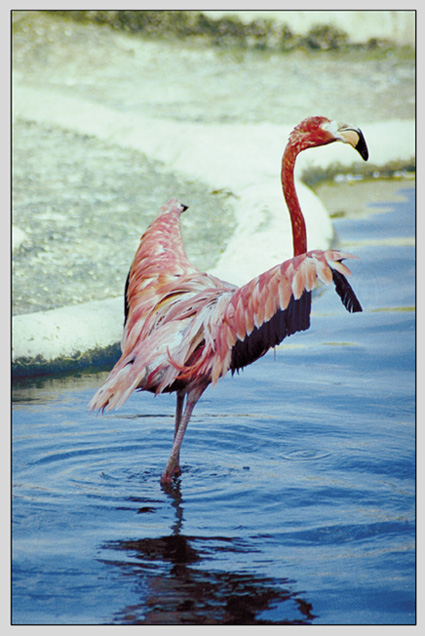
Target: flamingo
x=185, y=329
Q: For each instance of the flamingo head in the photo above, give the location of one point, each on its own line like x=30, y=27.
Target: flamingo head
x=319, y=131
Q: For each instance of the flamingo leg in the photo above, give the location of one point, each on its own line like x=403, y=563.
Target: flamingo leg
x=179, y=411
x=177, y=422
x=173, y=467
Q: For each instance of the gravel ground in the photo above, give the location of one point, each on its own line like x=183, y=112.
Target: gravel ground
x=82, y=212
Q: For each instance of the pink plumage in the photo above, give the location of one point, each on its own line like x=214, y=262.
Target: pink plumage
x=185, y=329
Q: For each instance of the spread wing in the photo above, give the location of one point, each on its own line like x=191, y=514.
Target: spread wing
x=285, y=322
x=277, y=304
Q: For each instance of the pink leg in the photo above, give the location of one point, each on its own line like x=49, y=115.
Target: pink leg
x=178, y=419
x=179, y=411
x=172, y=466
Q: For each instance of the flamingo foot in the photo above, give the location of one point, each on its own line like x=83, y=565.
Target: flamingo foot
x=166, y=479
x=171, y=470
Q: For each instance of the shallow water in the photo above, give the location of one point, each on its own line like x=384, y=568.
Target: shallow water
x=297, y=499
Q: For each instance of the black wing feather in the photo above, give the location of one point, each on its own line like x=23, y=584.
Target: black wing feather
x=126, y=305
x=345, y=292
x=296, y=317
x=284, y=323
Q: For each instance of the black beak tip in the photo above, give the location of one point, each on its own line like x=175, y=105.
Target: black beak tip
x=362, y=147
x=184, y=207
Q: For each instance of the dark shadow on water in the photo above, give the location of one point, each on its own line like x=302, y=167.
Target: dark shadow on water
x=175, y=590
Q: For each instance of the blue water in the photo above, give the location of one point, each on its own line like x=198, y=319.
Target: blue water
x=297, y=498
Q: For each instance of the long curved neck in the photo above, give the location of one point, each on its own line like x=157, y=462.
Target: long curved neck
x=299, y=233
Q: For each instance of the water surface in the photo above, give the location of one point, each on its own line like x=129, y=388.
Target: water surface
x=297, y=498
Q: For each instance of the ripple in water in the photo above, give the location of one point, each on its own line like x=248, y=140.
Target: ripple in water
x=305, y=455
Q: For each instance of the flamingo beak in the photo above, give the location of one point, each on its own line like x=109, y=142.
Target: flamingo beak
x=355, y=138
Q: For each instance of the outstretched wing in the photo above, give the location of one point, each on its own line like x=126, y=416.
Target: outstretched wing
x=277, y=304
x=160, y=258
x=285, y=322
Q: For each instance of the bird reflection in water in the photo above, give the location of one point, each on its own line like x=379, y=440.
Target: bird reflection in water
x=175, y=590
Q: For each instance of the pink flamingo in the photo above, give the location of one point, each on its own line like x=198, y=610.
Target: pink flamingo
x=185, y=329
